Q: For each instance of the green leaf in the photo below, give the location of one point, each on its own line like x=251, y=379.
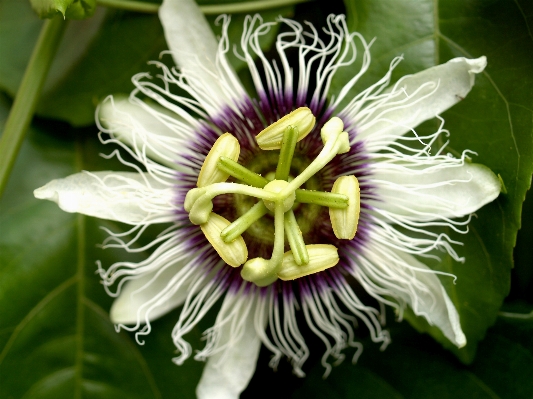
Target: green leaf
x=56, y=340
x=49, y=8
x=495, y=120
x=414, y=367
x=72, y=9
x=97, y=57
x=81, y=9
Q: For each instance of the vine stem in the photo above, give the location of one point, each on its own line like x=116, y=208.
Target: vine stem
x=214, y=9
x=27, y=95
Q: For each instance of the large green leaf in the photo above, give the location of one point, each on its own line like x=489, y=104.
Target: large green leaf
x=495, y=120
x=56, y=340
x=96, y=58
x=416, y=368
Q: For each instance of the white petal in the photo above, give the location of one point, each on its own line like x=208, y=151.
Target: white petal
x=193, y=46
x=433, y=303
x=122, y=196
x=430, y=193
x=416, y=98
x=137, y=297
x=188, y=35
x=397, y=278
x=228, y=371
x=143, y=127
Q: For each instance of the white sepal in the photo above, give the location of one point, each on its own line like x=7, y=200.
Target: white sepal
x=232, y=363
x=145, y=128
x=416, y=98
x=435, y=192
x=189, y=37
x=127, y=197
x=136, y=304
x=431, y=301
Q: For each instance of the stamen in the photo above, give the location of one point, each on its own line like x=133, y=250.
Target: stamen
x=321, y=257
x=241, y=173
x=296, y=240
x=271, y=137
x=234, y=253
x=277, y=196
x=330, y=200
x=239, y=226
x=344, y=221
x=290, y=137
x=227, y=146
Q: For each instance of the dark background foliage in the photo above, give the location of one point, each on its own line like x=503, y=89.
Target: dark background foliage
x=56, y=340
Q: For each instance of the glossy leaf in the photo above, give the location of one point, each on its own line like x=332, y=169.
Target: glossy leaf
x=495, y=121
x=416, y=368
x=96, y=58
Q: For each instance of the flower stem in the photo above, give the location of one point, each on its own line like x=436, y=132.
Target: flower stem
x=228, y=8
x=295, y=238
x=241, y=173
x=27, y=95
x=330, y=200
x=288, y=144
x=240, y=225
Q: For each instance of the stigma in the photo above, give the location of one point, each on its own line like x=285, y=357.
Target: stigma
x=277, y=195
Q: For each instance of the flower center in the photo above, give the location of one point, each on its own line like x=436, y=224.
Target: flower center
x=279, y=195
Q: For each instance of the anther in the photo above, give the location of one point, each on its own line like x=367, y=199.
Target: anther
x=321, y=257
x=234, y=253
x=344, y=221
x=227, y=146
x=271, y=137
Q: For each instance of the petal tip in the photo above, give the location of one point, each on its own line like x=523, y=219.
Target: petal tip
x=45, y=192
x=477, y=65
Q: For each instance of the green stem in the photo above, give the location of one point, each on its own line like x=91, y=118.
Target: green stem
x=510, y=315
x=279, y=238
x=240, y=225
x=27, y=95
x=327, y=154
x=288, y=144
x=230, y=8
x=296, y=240
x=241, y=173
x=330, y=200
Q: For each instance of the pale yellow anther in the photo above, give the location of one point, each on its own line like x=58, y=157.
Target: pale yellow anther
x=344, y=221
x=331, y=129
x=321, y=257
x=234, y=253
x=275, y=186
x=258, y=271
x=225, y=146
x=271, y=137
x=344, y=143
